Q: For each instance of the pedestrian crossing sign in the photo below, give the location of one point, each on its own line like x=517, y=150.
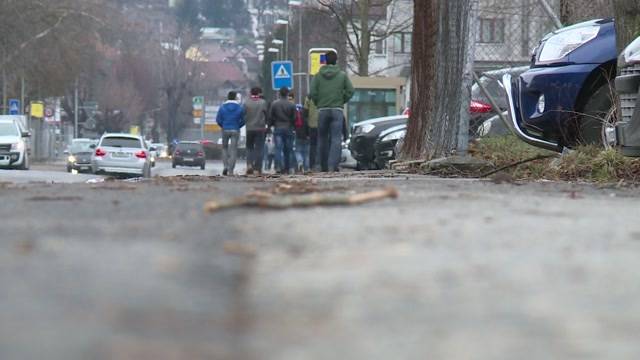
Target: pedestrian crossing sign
x=282, y=74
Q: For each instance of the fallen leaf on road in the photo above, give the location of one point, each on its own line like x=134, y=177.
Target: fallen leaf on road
x=309, y=200
x=234, y=248
x=55, y=198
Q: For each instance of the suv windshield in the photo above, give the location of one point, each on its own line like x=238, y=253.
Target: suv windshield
x=80, y=146
x=8, y=129
x=122, y=142
x=184, y=147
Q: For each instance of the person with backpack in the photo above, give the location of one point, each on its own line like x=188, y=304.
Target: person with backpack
x=330, y=90
x=282, y=117
x=310, y=113
x=256, y=110
x=231, y=119
x=302, y=142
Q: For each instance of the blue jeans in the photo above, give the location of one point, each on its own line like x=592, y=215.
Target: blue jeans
x=330, y=122
x=302, y=153
x=284, y=148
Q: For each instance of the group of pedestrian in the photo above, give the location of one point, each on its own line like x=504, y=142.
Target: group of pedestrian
x=291, y=137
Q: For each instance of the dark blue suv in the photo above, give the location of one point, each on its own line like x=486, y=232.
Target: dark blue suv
x=566, y=97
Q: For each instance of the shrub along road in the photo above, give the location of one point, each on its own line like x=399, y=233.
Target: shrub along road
x=452, y=269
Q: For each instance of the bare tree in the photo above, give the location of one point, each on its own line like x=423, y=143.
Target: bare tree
x=574, y=11
x=627, y=14
x=440, y=34
x=362, y=23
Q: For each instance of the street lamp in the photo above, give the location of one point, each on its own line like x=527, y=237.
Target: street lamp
x=299, y=5
x=279, y=43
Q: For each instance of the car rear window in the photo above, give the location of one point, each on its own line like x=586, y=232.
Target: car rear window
x=124, y=142
x=196, y=147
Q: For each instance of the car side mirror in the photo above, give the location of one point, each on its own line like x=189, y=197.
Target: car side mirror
x=26, y=134
x=92, y=146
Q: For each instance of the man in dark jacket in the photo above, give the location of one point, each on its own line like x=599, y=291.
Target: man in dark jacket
x=330, y=90
x=282, y=117
x=231, y=119
x=303, y=135
x=256, y=110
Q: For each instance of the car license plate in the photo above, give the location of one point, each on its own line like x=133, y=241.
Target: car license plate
x=188, y=159
x=120, y=155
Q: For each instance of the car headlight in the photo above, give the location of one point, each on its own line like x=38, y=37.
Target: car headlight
x=19, y=146
x=71, y=159
x=558, y=46
x=631, y=54
x=364, y=129
x=397, y=135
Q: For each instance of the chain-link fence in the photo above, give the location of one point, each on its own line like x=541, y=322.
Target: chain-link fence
x=507, y=32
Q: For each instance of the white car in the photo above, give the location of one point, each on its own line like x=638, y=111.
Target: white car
x=13, y=145
x=121, y=154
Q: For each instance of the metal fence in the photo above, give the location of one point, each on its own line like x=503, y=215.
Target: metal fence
x=507, y=32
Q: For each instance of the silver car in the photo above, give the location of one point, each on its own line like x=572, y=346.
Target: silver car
x=121, y=154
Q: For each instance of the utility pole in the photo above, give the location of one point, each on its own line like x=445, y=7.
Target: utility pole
x=4, y=91
x=300, y=53
x=75, y=111
x=467, y=81
x=22, y=94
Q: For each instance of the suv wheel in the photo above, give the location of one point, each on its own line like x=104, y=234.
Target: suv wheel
x=597, y=117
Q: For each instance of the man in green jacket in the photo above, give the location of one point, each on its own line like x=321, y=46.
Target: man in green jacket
x=330, y=90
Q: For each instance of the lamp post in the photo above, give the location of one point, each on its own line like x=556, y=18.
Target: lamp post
x=298, y=4
x=285, y=22
x=279, y=43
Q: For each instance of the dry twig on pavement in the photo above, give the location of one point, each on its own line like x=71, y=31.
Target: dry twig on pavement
x=283, y=202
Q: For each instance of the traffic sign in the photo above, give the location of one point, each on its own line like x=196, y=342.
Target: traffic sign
x=14, y=107
x=282, y=74
x=317, y=59
x=198, y=101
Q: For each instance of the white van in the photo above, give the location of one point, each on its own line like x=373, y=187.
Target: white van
x=13, y=145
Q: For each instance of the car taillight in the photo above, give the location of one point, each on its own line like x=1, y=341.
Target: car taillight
x=177, y=152
x=100, y=152
x=479, y=107
x=200, y=153
x=141, y=154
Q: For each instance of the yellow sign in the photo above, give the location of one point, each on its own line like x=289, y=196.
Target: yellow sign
x=211, y=128
x=36, y=109
x=134, y=130
x=198, y=113
x=314, y=60
x=317, y=59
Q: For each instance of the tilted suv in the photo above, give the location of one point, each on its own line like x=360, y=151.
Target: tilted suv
x=628, y=88
x=13, y=145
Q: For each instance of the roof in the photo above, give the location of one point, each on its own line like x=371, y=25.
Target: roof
x=220, y=72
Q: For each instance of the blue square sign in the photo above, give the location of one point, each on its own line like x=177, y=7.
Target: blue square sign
x=14, y=107
x=282, y=74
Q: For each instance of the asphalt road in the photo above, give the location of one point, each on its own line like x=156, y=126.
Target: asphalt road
x=56, y=172
x=452, y=269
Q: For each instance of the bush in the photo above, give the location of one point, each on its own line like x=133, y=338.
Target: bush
x=586, y=163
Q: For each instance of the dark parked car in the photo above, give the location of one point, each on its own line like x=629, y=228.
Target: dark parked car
x=79, y=155
x=189, y=153
x=627, y=86
x=364, y=135
x=385, y=146
x=565, y=99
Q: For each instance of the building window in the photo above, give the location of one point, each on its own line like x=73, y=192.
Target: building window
x=491, y=31
x=402, y=43
x=379, y=47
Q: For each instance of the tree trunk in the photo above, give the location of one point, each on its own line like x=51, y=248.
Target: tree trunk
x=627, y=14
x=575, y=11
x=365, y=41
x=440, y=34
